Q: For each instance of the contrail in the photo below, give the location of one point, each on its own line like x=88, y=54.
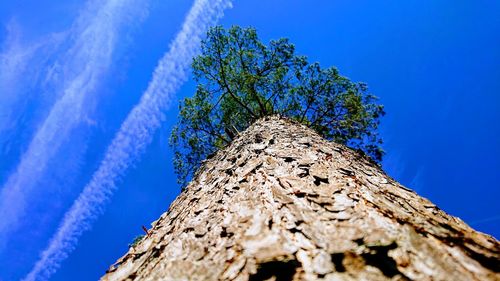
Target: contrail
x=134, y=135
x=82, y=67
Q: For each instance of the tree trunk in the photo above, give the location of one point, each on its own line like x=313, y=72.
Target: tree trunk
x=281, y=203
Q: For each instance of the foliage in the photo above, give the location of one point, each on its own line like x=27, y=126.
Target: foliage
x=240, y=79
x=136, y=241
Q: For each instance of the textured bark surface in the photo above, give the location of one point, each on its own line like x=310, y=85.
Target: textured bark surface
x=281, y=203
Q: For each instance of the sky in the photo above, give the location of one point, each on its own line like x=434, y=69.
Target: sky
x=89, y=92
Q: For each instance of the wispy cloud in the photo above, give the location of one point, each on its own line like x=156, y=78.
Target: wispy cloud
x=14, y=60
x=76, y=74
x=135, y=134
x=394, y=165
x=485, y=220
x=416, y=182
x=21, y=65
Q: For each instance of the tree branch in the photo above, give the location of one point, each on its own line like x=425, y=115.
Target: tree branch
x=224, y=83
x=252, y=87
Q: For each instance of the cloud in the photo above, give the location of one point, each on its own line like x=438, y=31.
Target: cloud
x=21, y=64
x=134, y=135
x=394, y=165
x=417, y=181
x=74, y=77
x=484, y=220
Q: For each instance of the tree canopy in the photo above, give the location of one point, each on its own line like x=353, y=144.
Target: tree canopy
x=240, y=79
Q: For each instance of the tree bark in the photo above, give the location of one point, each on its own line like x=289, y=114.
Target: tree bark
x=281, y=203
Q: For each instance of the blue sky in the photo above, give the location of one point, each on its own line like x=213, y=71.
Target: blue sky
x=71, y=72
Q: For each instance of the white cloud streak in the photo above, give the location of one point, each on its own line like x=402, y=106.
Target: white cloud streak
x=21, y=64
x=78, y=73
x=134, y=135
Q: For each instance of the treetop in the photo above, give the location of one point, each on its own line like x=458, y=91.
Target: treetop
x=240, y=79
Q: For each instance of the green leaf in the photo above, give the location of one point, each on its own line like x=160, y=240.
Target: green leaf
x=241, y=79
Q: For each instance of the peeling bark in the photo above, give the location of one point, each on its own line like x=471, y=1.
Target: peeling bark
x=281, y=203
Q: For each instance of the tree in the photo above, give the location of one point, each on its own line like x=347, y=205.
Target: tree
x=240, y=79
x=282, y=203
